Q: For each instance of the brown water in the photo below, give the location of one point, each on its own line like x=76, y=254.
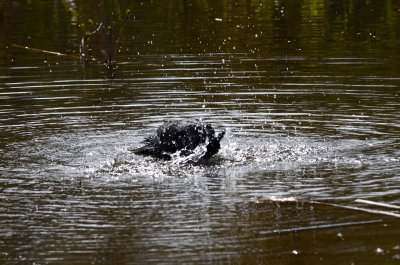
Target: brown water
x=308, y=92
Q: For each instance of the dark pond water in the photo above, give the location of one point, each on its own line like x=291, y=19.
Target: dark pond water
x=308, y=92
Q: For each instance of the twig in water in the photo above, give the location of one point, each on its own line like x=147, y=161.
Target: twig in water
x=378, y=204
x=113, y=32
x=317, y=227
x=45, y=51
x=359, y=209
x=293, y=199
x=87, y=30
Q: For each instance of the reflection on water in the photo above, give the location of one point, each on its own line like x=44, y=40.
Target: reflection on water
x=308, y=94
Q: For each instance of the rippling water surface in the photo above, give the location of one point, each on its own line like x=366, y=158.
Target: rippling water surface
x=311, y=113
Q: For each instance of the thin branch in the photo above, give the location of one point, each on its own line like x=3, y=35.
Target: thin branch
x=45, y=51
x=378, y=204
x=97, y=30
x=359, y=209
x=318, y=227
x=293, y=199
x=128, y=15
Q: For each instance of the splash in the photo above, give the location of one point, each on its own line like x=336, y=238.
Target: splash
x=106, y=157
x=241, y=155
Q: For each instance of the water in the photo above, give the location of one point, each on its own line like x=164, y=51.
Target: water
x=308, y=94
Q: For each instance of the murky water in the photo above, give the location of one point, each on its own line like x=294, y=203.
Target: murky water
x=308, y=94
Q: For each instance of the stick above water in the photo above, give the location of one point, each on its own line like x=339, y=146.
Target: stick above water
x=45, y=51
x=317, y=227
x=382, y=204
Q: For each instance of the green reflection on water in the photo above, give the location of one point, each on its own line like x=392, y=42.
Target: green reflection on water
x=305, y=28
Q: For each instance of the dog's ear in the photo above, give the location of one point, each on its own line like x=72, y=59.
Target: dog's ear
x=209, y=130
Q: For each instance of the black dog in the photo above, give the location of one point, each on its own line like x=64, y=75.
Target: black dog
x=182, y=136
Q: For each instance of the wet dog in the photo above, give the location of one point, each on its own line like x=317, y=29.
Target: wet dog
x=183, y=136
